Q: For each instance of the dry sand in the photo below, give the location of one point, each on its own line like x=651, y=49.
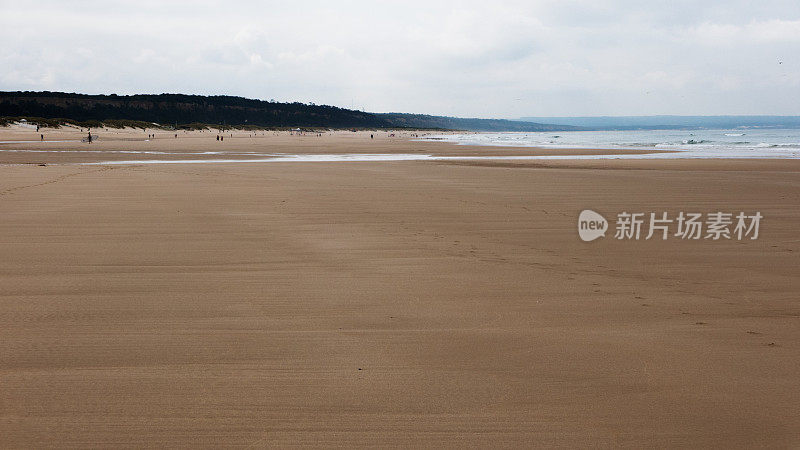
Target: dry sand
x=382, y=304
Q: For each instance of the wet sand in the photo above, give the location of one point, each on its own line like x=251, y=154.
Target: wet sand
x=386, y=304
x=64, y=146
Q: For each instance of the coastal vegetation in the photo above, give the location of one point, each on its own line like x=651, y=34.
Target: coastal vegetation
x=179, y=111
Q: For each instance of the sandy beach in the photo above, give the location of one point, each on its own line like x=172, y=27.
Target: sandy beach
x=386, y=304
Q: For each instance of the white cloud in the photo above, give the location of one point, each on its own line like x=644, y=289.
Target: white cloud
x=756, y=32
x=469, y=58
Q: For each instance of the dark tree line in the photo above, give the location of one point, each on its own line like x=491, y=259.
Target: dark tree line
x=180, y=109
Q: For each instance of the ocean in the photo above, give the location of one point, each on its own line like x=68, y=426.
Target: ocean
x=735, y=143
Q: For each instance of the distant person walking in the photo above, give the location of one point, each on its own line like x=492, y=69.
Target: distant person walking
x=90, y=137
x=42, y=136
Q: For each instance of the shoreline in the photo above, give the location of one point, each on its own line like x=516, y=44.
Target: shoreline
x=247, y=147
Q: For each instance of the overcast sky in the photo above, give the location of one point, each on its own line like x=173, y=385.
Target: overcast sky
x=471, y=59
